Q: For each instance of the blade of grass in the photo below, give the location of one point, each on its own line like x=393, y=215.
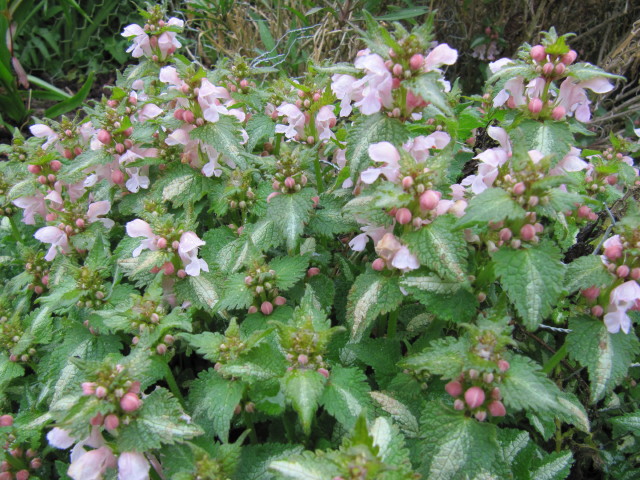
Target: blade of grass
x=73, y=102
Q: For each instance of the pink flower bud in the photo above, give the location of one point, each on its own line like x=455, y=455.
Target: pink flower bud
x=128, y=144
x=279, y=301
x=104, y=137
x=324, y=372
x=611, y=179
x=244, y=83
x=169, y=268
x=316, y=97
x=162, y=242
x=161, y=349
x=416, y=61
x=429, y=199
x=378, y=265
x=80, y=222
x=453, y=388
x=6, y=475
x=289, y=183
x=120, y=148
x=591, y=293
x=179, y=114
x=473, y=374
x=6, y=421
x=395, y=83
x=538, y=53
x=560, y=68
x=111, y=422
x=117, y=177
x=42, y=179
x=481, y=416
x=527, y=232
x=55, y=165
x=35, y=464
x=503, y=365
x=50, y=217
x=101, y=392
x=569, y=57
x=266, y=308
x=474, y=397
x=458, y=404
x=68, y=154
x=22, y=475
x=622, y=271
x=613, y=252
x=77, y=150
x=135, y=387
x=505, y=234
x=397, y=69
x=635, y=273
x=597, y=310
x=407, y=182
x=548, y=68
x=558, y=113
x=313, y=271
x=487, y=377
x=403, y=216
x=519, y=188
x=496, y=409
x=35, y=169
x=535, y=105
x=181, y=273
x=252, y=309
x=188, y=116
x=130, y=402
x=303, y=359
x=38, y=289
x=495, y=394
x=88, y=388
x=584, y=211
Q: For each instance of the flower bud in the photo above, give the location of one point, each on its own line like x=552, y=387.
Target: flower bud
x=130, y=402
x=279, y=300
x=169, y=268
x=134, y=387
x=181, y=273
x=535, y=105
x=527, y=232
x=495, y=394
x=481, y=416
x=378, y=264
x=88, y=388
x=635, y=273
x=496, y=409
x=622, y=271
x=80, y=222
x=487, y=377
x=397, y=69
x=22, y=475
x=560, y=68
x=591, y=293
x=429, y=199
x=505, y=234
x=77, y=150
x=266, y=308
x=474, y=374
x=252, y=309
x=313, y=271
x=569, y=57
x=613, y=252
x=538, y=53
x=324, y=372
x=289, y=183
x=120, y=148
x=407, y=182
x=453, y=388
x=111, y=422
x=503, y=365
x=38, y=289
x=178, y=114
x=548, y=68
x=161, y=349
x=104, y=137
x=188, y=116
x=558, y=113
x=117, y=177
x=68, y=154
x=481, y=297
x=416, y=61
x=458, y=404
x=42, y=179
x=101, y=392
x=519, y=188
x=35, y=464
x=597, y=311
x=303, y=359
x=6, y=421
x=403, y=216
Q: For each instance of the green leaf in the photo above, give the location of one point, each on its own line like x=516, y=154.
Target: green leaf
x=255, y=459
x=533, y=279
x=585, y=272
x=206, y=344
x=549, y=137
x=400, y=413
x=455, y=446
x=607, y=356
x=371, y=295
x=555, y=466
x=429, y=87
x=346, y=395
x=526, y=387
x=327, y=219
x=368, y=129
x=8, y=371
x=201, y=290
x=75, y=170
x=303, y=388
x=440, y=248
x=71, y=103
x=225, y=137
x=586, y=71
x=628, y=423
x=445, y=357
x=159, y=421
x=290, y=213
x=492, y=205
x=431, y=283
x=259, y=127
x=213, y=399
x=289, y=270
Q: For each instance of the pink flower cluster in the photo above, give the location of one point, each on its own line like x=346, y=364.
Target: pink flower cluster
x=147, y=42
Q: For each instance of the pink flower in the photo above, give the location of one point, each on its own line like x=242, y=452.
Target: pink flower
x=60, y=438
x=573, y=96
x=100, y=208
x=359, y=242
x=209, y=99
x=32, y=206
x=395, y=254
x=346, y=90
x=513, y=88
x=492, y=159
x=140, y=45
x=419, y=147
x=443, y=54
x=133, y=466
x=377, y=84
x=389, y=156
x=295, y=121
x=92, y=465
x=56, y=237
x=570, y=163
x=140, y=228
x=148, y=111
x=622, y=298
x=188, y=251
x=39, y=130
x=324, y=121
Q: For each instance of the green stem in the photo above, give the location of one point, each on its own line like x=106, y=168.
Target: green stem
x=392, y=324
x=555, y=359
x=316, y=162
x=173, y=386
x=252, y=429
x=545, y=92
x=276, y=147
x=14, y=230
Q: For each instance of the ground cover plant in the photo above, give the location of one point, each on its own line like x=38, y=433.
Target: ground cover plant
x=228, y=274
